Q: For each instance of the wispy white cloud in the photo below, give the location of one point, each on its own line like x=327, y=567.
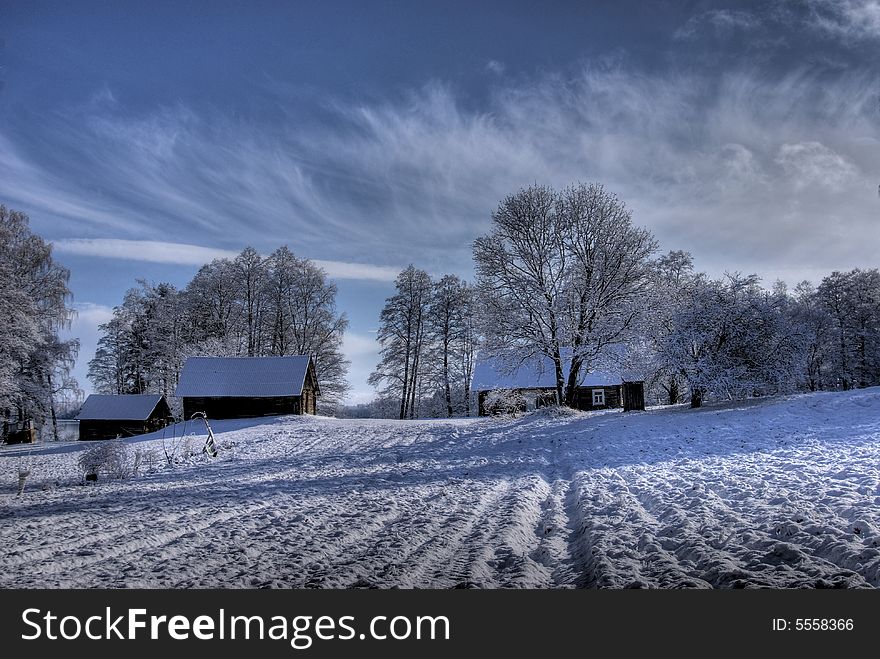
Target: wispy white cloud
x=359, y=345
x=812, y=163
x=496, y=67
x=715, y=163
x=719, y=21
x=849, y=19
x=153, y=251
x=359, y=271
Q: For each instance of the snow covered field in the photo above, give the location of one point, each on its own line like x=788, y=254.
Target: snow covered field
x=784, y=493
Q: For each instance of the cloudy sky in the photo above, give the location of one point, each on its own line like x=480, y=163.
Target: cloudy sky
x=144, y=139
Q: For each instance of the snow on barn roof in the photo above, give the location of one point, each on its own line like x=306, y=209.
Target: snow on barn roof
x=533, y=373
x=255, y=377
x=127, y=407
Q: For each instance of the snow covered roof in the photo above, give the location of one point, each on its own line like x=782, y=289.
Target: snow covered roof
x=257, y=377
x=129, y=407
x=537, y=373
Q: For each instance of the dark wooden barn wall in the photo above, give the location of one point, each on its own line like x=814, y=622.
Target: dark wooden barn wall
x=92, y=429
x=246, y=407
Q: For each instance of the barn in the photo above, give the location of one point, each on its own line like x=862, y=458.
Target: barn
x=108, y=417
x=532, y=383
x=243, y=387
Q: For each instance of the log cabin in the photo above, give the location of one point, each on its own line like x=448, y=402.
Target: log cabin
x=244, y=387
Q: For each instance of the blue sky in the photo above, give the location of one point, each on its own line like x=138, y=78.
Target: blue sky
x=145, y=138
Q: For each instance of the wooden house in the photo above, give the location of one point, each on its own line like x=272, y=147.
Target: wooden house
x=242, y=387
x=108, y=417
x=533, y=383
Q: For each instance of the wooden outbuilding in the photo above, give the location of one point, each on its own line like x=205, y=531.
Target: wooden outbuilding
x=243, y=387
x=108, y=416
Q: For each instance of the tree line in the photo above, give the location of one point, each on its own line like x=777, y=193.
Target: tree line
x=250, y=306
x=35, y=363
x=566, y=275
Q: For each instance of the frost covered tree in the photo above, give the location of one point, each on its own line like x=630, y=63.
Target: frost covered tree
x=852, y=300
x=732, y=338
x=608, y=275
x=452, y=340
x=813, y=326
x=211, y=302
x=301, y=310
x=402, y=335
x=250, y=271
x=141, y=348
x=522, y=268
x=562, y=275
x=107, y=369
x=34, y=295
x=673, y=273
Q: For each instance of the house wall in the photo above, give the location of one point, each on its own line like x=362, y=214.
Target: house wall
x=243, y=407
x=583, y=398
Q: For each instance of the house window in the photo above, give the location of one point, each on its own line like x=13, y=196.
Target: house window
x=598, y=397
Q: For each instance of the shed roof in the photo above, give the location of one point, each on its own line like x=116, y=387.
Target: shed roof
x=127, y=407
x=533, y=373
x=254, y=377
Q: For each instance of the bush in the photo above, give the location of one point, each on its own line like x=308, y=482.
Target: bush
x=110, y=458
x=505, y=401
x=146, y=458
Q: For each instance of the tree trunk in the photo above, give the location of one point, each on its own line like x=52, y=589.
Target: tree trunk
x=674, y=393
x=446, y=379
x=560, y=383
x=52, y=408
x=697, y=397
x=571, y=387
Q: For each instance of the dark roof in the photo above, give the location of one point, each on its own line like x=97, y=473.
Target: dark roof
x=132, y=407
x=256, y=377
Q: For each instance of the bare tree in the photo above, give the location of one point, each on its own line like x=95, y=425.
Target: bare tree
x=562, y=275
x=452, y=338
x=522, y=271
x=402, y=336
x=608, y=275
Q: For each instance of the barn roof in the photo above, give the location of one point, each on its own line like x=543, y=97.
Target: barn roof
x=129, y=407
x=532, y=373
x=253, y=377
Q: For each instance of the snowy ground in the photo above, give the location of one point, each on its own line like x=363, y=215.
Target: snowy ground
x=782, y=493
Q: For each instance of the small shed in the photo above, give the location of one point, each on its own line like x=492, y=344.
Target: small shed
x=243, y=387
x=534, y=382
x=110, y=416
